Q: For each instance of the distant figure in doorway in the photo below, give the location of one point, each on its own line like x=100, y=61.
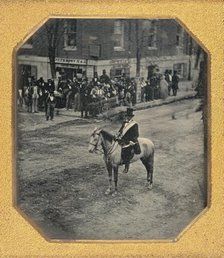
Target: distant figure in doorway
x=104, y=78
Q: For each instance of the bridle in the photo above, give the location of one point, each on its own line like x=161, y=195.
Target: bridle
x=96, y=145
x=105, y=152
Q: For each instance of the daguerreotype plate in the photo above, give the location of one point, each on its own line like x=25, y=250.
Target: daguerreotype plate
x=112, y=140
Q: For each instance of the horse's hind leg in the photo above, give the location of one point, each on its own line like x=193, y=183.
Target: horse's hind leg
x=109, y=169
x=115, y=180
x=150, y=171
x=148, y=163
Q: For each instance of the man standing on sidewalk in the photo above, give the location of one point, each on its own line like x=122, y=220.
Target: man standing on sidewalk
x=50, y=103
x=175, y=81
x=35, y=96
x=168, y=78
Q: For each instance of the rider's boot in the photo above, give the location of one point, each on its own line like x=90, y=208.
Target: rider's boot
x=126, y=168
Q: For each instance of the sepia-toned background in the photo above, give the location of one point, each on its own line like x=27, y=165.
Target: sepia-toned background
x=204, y=19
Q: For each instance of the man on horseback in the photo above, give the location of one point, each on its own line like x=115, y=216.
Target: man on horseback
x=128, y=138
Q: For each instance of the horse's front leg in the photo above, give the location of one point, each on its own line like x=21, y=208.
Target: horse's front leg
x=109, y=169
x=150, y=173
x=115, y=180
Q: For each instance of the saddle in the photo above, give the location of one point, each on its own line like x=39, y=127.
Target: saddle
x=128, y=151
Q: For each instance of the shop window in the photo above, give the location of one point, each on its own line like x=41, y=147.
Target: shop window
x=151, y=70
x=68, y=73
x=179, y=36
x=70, y=34
x=181, y=69
x=152, y=37
x=27, y=71
x=118, y=35
x=118, y=72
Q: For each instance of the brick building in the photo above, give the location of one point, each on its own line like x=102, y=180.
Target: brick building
x=134, y=47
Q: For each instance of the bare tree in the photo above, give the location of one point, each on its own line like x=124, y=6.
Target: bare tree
x=139, y=40
x=54, y=30
x=143, y=28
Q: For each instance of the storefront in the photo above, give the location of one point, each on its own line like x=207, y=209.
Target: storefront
x=167, y=63
x=181, y=69
x=70, y=68
x=25, y=71
x=33, y=66
x=119, y=67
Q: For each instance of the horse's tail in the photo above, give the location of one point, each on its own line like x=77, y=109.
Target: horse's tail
x=146, y=146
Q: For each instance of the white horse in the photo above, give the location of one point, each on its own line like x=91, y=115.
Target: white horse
x=101, y=140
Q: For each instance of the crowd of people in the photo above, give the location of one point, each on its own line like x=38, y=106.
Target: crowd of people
x=79, y=94
x=38, y=95
x=159, y=86
x=89, y=96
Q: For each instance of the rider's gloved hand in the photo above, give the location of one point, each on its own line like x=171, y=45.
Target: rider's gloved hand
x=131, y=143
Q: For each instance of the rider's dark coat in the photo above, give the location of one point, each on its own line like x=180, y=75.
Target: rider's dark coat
x=129, y=131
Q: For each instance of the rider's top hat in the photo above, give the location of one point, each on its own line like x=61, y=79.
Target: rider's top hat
x=129, y=112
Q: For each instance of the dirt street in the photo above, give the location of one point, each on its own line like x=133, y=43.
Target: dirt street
x=61, y=186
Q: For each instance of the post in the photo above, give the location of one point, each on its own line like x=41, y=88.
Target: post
x=138, y=49
x=138, y=90
x=138, y=60
x=190, y=57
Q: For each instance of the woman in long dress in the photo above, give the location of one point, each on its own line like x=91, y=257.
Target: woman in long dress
x=163, y=88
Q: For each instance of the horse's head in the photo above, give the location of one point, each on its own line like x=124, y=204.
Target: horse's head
x=95, y=140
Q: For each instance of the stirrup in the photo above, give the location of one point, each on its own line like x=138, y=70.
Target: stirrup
x=125, y=171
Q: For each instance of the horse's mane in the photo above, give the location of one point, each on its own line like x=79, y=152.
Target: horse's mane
x=107, y=136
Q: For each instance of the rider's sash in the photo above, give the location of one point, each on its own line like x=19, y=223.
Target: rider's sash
x=127, y=127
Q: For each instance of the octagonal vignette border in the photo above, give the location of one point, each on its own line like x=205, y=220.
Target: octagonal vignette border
x=207, y=153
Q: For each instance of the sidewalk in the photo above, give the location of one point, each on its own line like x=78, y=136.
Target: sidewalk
x=34, y=121
x=185, y=92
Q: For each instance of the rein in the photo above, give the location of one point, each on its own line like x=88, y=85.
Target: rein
x=96, y=145
x=110, y=151
x=105, y=151
x=96, y=149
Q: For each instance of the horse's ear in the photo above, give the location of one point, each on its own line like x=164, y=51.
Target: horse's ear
x=100, y=128
x=95, y=129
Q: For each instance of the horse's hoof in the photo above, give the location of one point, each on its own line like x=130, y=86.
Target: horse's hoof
x=125, y=171
x=149, y=187
x=114, y=194
x=108, y=191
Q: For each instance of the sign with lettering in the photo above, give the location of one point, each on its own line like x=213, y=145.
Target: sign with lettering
x=70, y=61
x=119, y=61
